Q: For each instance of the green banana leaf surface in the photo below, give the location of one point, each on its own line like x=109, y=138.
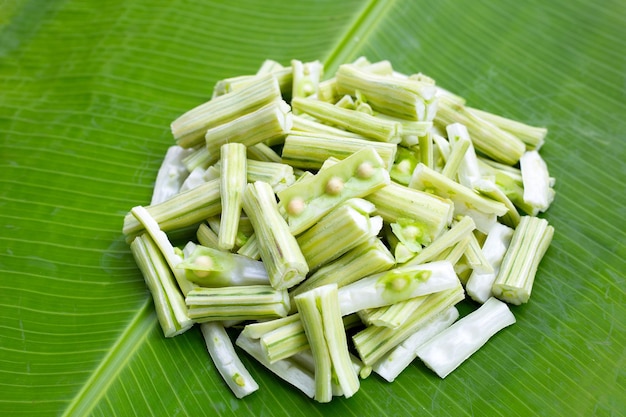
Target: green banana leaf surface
x=87, y=92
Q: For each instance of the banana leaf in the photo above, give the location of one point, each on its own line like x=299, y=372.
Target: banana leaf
x=87, y=91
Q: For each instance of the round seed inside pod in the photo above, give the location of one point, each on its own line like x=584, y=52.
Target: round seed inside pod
x=296, y=206
x=204, y=262
x=334, y=186
x=365, y=170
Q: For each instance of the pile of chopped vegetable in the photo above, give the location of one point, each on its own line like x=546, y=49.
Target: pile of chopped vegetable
x=337, y=222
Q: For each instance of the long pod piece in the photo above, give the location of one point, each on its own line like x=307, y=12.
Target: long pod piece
x=529, y=243
x=279, y=249
x=168, y=301
x=226, y=361
x=309, y=199
x=321, y=318
x=233, y=174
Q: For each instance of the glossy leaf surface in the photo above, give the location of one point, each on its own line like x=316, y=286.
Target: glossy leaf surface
x=87, y=92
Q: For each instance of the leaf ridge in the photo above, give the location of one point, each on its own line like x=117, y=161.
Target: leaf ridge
x=364, y=24
x=114, y=362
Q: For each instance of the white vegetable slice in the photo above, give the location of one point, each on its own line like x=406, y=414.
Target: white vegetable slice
x=450, y=348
